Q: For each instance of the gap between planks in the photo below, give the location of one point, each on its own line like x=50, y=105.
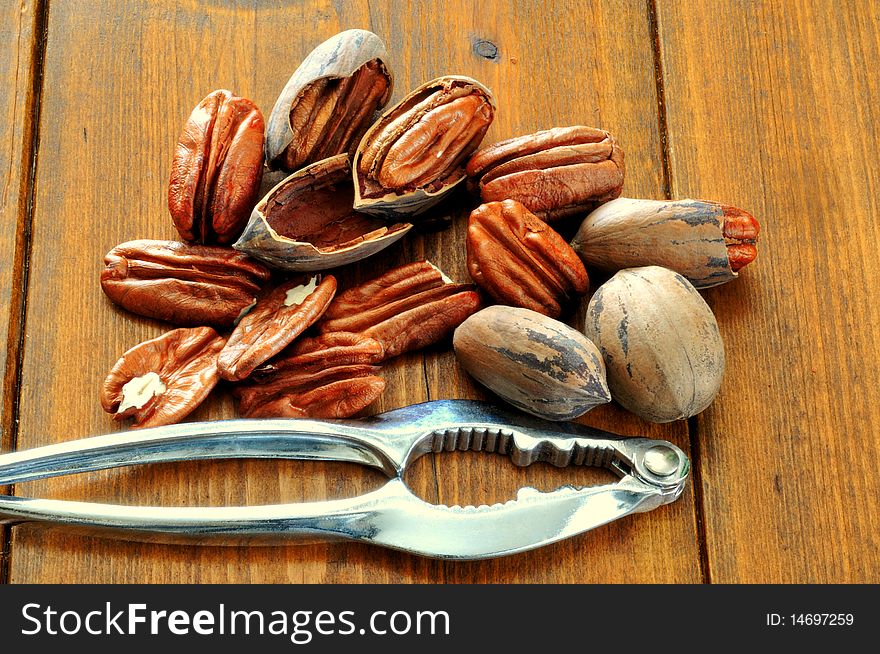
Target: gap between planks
x=21, y=265
x=692, y=423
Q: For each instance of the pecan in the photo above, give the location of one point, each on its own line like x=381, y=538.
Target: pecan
x=217, y=168
x=740, y=230
x=273, y=323
x=329, y=101
x=417, y=149
x=161, y=381
x=555, y=173
x=520, y=260
x=405, y=309
x=181, y=283
x=331, y=376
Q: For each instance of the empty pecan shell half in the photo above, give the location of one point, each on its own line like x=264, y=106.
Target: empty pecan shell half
x=273, y=323
x=161, y=381
x=329, y=101
x=706, y=242
x=306, y=222
x=415, y=153
x=217, y=168
x=405, y=309
x=331, y=376
x=520, y=260
x=555, y=173
x=182, y=283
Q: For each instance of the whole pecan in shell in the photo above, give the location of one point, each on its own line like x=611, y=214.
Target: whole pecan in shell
x=415, y=153
x=278, y=318
x=405, y=309
x=520, y=260
x=329, y=101
x=160, y=381
x=555, y=173
x=217, y=168
x=331, y=376
x=181, y=283
x=706, y=242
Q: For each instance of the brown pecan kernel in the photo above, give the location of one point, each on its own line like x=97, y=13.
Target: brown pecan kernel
x=217, y=169
x=161, y=381
x=331, y=115
x=520, y=260
x=555, y=173
x=181, y=283
x=423, y=141
x=331, y=376
x=405, y=309
x=741, y=236
x=273, y=323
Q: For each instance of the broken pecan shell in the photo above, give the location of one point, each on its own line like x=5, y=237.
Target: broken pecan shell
x=216, y=170
x=181, y=283
x=520, y=260
x=555, y=173
x=161, y=381
x=307, y=222
x=273, y=323
x=329, y=101
x=405, y=309
x=331, y=376
x=415, y=153
x=706, y=242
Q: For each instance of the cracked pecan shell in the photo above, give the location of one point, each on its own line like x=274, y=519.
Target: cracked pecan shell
x=329, y=101
x=415, y=153
x=706, y=242
x=331, y=376
x=161, y=381
x=181, y=283
x=555, y=173
x=520, y=260
x=306, y=222
x=278, y=318
x=405, y=309
x=216, y=169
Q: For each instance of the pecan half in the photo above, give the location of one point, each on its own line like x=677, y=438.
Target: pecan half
x=273, y=323
x=417, y=149
x=217, y=168
x=329, y=101
x=520, y=260
x=555, y=173
x=331, y=376
x=740, y=231
x=161, y=381
x=181, y=283
x=405, y=309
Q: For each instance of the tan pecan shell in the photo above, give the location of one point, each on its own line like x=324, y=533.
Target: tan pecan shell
x=331, y=376
x=160, y=381
x=273, y=323
x=555, y=173
x=520, y=260
x=217, y=169
x=405, y=309
x=181, y=283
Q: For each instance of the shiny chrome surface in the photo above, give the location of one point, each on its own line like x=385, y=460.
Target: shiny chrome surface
x=652, y=473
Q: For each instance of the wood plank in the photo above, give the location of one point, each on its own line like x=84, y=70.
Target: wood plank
x=17, y=35
x=114, y=109
x=774, y=107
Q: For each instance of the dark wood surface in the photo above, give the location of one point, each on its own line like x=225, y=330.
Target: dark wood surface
x=768, y=107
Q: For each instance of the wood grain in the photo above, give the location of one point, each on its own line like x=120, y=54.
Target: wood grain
x=17, y=36
x=118, y=87
x=773, y=107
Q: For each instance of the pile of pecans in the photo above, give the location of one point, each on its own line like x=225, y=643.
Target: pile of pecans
x=248, y=285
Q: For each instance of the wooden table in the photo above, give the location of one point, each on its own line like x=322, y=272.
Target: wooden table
x=771, y=106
